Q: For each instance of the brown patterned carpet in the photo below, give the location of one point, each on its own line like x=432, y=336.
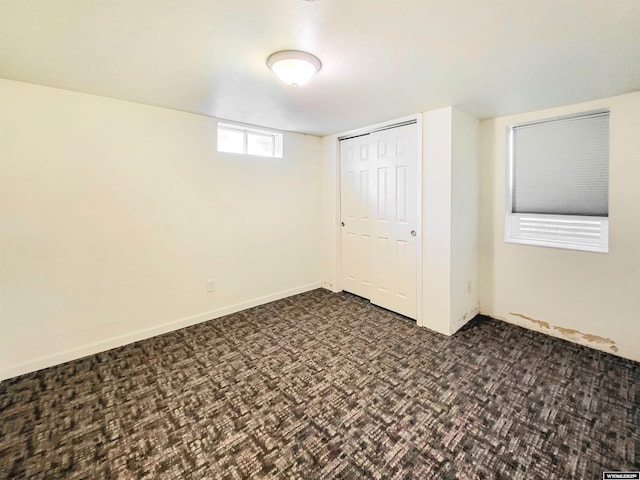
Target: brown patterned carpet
x=325, y=385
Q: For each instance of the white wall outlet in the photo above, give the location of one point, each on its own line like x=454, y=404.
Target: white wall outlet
x=211, y=286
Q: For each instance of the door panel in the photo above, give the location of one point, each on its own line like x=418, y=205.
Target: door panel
x=356, y=215
x=379, y=257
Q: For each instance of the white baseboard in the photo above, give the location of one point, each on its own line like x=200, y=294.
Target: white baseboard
x=9, y=371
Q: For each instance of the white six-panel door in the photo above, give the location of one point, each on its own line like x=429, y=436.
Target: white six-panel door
x=379, y=212
x=357, y=226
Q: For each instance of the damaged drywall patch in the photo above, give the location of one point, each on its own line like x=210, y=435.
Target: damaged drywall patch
x=532, y=320
x=596, y=339
x=567, y=331
x=571, y=334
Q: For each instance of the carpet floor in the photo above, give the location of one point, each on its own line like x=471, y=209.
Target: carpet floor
x=325, y=385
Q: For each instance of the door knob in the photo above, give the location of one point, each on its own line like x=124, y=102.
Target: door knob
x=342, y=223
x=413, y=233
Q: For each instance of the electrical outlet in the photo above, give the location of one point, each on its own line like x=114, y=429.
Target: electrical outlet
x=211, y=286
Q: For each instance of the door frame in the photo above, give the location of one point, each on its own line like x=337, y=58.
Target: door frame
x=338, y=187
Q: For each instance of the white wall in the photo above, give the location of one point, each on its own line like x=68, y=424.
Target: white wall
x=436, y=219
x=465, y=198
x=450, y=219
x=330, y=217
x=588, y=298
x=114, y=214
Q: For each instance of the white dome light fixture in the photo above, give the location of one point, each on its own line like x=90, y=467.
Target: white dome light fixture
x=294, y=67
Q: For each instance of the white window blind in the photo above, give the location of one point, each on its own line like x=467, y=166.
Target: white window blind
x=558, y=173
x=561, y=167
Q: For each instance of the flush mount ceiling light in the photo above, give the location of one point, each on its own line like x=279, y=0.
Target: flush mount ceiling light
x=293, y=66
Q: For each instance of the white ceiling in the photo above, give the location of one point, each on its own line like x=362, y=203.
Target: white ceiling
x=382, y=59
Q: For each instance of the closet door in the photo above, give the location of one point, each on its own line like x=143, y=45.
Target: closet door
x=356, y=197
x=379, y=212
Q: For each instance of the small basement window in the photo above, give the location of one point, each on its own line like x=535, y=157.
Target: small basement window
x=558, y=177
x=249, y=141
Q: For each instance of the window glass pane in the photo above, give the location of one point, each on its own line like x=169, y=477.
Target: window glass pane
x=251, y=141
x=230, y=140
x=561, y=167
x=258, y=144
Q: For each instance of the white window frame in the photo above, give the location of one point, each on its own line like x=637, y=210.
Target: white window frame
x=245, y=130
x=574, y=232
